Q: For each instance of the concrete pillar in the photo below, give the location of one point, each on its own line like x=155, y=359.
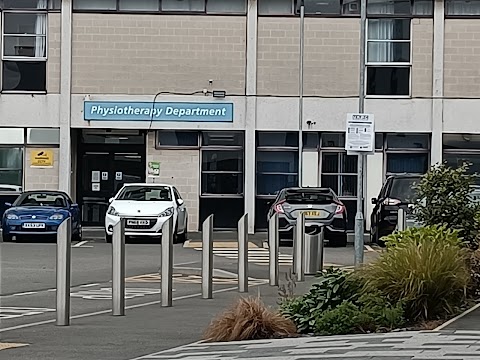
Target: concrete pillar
x=437, y=81
x=65, y=160
x=251, y=114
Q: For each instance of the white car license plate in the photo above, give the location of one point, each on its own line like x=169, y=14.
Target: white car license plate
x=34, y=226
x=138, y=222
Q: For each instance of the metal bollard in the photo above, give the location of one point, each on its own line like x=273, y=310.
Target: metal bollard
x=401, y=220
x=243, y=254
x=273, y=244
x=313, y=252
x=207, y=258
x=118, y=268
x=167, y=262
x=299, y=246
x=64, y=266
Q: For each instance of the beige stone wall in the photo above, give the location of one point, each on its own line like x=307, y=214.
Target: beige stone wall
x=180, y=168
x=332, y=49
x=462, y=58
x=53, y=55
x=422, y=65
x=41, y=178
x=145, y=54
x=278, y=50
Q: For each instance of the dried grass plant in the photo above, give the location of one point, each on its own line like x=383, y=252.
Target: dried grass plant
x=249, y=319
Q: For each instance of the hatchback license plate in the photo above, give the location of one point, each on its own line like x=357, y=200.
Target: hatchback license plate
x=313, y=213
x=138, y=222
x=34, y=226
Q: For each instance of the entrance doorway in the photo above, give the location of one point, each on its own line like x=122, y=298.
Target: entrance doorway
x=106, y=161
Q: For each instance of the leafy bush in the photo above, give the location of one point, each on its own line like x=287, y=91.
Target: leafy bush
x=430, y=277
x=433, y=233
x=474, y=263
x=443, y=198
x=334, y=286
x=370, y=314
x=249, y=319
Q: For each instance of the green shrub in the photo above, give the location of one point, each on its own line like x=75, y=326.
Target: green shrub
x=371, y=313
x=432, y=233
x=333, y=287
x=443, y=198
x=429, y=277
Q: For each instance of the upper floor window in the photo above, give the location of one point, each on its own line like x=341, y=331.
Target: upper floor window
x=388, y=57
x=24, y=44
x=166, y=6
x=400, y=7
x=312, y=7
x=462, y=7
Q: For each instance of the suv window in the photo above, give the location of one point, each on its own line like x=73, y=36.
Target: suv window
x=402, y=189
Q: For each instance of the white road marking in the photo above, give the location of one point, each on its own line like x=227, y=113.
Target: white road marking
x=369, y=248
x=257, y=256
x=102, y=312
x=10, y=312
x=106, y=293
x=25, y=293
x=81, y=243
x=88, y=285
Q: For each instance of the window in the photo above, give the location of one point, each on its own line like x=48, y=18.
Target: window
x=400, y=7
x=276, y=7
x=43, y=136
x=462, y=7
x=183, y=5
x=172, y=138
x=407, y=153
x=195, y=6
x=462, y=148
x=388, y=57
x=312, y=7
x=339, y=172
x=11, y=160
x=24, y=45
x=222, y=179
x=11, y=136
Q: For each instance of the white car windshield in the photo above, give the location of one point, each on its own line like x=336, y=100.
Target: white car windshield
x=145, y=193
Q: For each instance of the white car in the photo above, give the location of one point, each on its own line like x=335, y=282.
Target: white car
x=145, y=208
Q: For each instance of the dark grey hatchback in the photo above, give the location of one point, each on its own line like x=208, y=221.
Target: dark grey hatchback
x=321, y=207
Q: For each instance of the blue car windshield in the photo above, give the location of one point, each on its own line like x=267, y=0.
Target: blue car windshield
x=41, y=199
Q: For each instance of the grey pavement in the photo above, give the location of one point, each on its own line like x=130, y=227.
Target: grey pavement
x=426, y=345
x=27, y=299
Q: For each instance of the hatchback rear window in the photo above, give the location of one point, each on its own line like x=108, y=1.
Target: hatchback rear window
x=309, y=197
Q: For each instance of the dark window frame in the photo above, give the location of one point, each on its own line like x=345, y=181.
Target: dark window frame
x=222, y=148
x=409, y=15
x=159, y=146
x=457, y=16
x=163, y=12
x=404, y=150
x=392, y=64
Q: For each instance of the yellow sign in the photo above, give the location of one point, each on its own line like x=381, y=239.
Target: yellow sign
x=40, y=157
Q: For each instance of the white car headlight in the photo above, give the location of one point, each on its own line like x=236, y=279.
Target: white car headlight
x=167, y=212
x=12, y=217
x=111, y=211
x=56, y=217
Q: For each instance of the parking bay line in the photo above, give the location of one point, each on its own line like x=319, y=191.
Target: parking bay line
x=102, y=312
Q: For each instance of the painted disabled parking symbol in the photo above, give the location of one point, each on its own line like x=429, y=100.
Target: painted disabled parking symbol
x=106, y=293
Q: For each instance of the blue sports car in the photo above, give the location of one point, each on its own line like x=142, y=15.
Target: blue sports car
x=37, y=213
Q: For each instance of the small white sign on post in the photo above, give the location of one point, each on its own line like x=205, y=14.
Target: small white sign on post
x=360, y=136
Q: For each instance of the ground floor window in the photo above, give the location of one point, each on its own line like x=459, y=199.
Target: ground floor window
x=11, y=167
x=462, y=148
x=406, y=153
x=222, y=178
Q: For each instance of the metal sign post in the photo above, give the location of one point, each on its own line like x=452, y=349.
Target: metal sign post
x=167, y=262
x=273, y=244
x=64, y=266
x=207, y=258
x=360, y=140
x=243, y=254
x=299, y=248
x=118, y=268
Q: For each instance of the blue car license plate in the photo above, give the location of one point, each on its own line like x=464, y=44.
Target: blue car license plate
x=33, y=226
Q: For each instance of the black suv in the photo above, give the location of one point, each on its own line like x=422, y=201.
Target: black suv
x=321, y=206
x=397, y=191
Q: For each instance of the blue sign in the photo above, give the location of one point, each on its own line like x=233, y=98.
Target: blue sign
x=158, y=111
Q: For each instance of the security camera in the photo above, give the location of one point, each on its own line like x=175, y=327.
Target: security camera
x=210, y=81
